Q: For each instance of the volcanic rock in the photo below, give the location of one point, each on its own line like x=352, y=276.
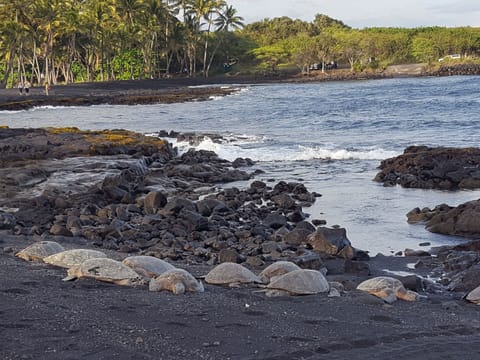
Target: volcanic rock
x=432, y=168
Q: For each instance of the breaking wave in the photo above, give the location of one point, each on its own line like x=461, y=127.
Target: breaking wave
x=261, y=149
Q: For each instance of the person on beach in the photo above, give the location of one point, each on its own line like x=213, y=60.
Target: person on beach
x=20, y=87
x=27, y=87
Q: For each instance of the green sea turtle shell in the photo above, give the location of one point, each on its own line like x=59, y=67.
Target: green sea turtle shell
x=300, y=282
x=40, y=250
x=147, y=266
x=68, y=258
x=229, y=273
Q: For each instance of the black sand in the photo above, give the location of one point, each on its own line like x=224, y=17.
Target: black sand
x=45, y=318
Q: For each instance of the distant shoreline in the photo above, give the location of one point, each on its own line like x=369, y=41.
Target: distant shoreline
x=175, y=90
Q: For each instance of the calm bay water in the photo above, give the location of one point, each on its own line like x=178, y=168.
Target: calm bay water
x=331, y=136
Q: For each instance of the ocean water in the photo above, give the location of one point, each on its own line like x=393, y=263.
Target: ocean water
x=331, y=136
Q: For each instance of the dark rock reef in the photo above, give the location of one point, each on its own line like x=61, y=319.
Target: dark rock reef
x=462, y=220
x=432, y=168
x=456, y=267
x=135, y=93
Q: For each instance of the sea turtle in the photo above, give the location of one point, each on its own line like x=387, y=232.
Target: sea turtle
x=69, y=258
x=277, y=269
x=104, y=269
x=40, y=250
x=147, y=266
x=298, y=282
x=231, y=274
x=474, y=296
x=177, y=281
x=388, y=289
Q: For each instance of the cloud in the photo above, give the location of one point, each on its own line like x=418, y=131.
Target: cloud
x=367, y=13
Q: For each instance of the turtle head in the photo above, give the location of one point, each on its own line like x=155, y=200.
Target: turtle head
x=408, y=295
x=72, y=273
x=178, y=288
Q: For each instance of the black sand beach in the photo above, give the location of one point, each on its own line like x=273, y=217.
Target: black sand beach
x=45, y=318
x=42, y=317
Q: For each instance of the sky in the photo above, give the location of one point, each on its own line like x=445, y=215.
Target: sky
x=367, y=13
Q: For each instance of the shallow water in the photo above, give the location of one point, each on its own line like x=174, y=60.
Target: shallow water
x=331, y=136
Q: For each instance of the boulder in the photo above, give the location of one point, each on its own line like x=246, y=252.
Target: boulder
x=309, y=260
x=193, y=220
x=275, y=220
x=206, y=206
x=153, y=201
x=58, y=229
x=296, y=216
x=175, y=205
x=329, y=241
x=466, y=280
x=7, y=221
x=296, y=237
x=228, y=255
x=415, y=253
x=284, y=201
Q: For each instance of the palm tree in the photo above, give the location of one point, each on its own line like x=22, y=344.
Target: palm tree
x=47, y=14
x=100, y=21
x=176, y=45
x=11, y=44
x=190, y=32
x=227, y=19
x=181, y=5
x=205, y=9
x=129, y=10
x=14, y=39
x=69, y=28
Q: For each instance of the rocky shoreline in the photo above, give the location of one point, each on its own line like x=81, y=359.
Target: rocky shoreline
x=447, y=169
x=129, y=194
x=138, y=93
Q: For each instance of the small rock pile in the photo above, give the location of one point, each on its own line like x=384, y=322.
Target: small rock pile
x=456, y=267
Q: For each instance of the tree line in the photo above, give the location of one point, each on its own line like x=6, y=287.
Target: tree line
x=46, y=41
x=50, y=41
x=283, y=41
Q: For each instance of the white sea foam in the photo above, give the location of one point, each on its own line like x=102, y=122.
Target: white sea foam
x=34, y=108
x=217, y=97
x=309, y=153
x=10, y=111
x=50, y=107
x=259, y=149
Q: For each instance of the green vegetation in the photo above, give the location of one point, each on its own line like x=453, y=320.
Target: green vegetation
x=51, y=41
x=108, y=138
